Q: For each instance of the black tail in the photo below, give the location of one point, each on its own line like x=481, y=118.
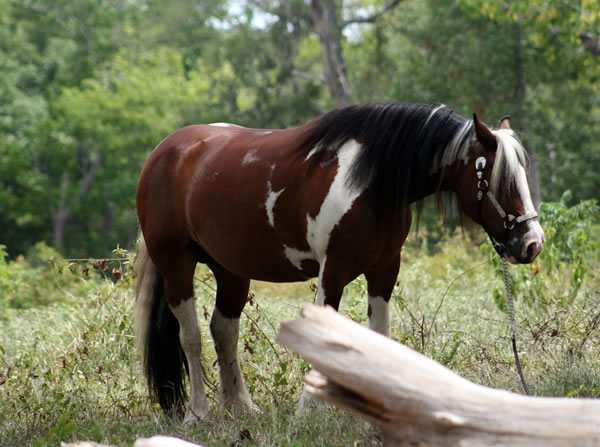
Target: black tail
x=157, y=330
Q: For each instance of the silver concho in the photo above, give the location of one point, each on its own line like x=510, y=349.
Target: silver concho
x=480, y=163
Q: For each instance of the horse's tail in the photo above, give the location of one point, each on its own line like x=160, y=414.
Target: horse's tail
x=157, y=333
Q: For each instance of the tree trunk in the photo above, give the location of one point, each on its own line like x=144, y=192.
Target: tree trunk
x=417, y=401
x=325, y=18
x=520, y=93
x=62, y=213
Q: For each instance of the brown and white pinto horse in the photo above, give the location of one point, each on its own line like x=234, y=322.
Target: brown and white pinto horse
x=329, y=199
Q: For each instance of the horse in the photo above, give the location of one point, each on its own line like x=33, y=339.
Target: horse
x=329, y=199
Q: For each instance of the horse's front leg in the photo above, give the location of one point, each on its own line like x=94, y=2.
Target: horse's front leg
x=332, y=280
x=380, y=285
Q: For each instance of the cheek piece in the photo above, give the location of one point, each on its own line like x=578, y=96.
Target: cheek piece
x=510, y=221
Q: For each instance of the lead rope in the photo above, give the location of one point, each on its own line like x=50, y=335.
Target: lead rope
x=510, y=308
x=509, y=223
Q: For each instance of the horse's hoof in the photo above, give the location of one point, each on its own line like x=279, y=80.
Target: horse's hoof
x=244, y=405
x=192, y=418
x=254, y=408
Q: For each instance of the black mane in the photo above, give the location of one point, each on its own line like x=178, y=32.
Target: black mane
x=402, y=145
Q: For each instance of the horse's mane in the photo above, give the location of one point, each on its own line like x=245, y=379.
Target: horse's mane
x=402, y=145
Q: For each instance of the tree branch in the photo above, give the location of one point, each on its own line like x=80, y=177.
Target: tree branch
x=371, y=18
x=90, y=175
x=309, y=76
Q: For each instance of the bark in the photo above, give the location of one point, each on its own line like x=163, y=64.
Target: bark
x=520, y=95
x=417, y=401
x=62, y=213
x=325, y=19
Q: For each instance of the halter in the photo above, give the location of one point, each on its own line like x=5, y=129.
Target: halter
x=509, y=220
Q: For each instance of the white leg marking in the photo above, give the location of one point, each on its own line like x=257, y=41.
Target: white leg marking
x=270, y=203
x=379, y=318
x=225, y=332
x=189, y=336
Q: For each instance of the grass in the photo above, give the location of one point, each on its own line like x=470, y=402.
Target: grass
x=69, y=369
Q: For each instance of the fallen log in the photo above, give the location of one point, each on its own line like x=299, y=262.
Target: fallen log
x=154, y=441
x=417, y=401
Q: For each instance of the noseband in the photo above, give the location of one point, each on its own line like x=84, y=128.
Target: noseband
x=509, y=220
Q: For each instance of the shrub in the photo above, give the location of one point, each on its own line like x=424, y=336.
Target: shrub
x=558, y=273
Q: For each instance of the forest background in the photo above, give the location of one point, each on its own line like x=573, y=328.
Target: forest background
x=88, y=88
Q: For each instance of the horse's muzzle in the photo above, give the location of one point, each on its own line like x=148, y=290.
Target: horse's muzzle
x=523, y=253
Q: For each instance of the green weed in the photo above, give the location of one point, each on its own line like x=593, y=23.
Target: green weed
x=69, y=369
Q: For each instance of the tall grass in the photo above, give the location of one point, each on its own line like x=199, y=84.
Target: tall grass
x=69, y=370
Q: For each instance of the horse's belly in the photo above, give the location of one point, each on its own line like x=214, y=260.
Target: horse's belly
x=257, y=255
x=250, y=233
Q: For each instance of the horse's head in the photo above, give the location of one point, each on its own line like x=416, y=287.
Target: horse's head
x=493, y=191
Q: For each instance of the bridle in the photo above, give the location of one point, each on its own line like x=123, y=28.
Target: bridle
x=509, y=219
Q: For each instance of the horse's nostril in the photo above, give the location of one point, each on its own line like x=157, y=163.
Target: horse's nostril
x=532, y=250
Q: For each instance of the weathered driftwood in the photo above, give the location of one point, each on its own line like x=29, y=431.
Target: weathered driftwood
x=417, y=401
x=155, y=441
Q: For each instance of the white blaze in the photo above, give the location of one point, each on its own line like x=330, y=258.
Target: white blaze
x=535, y=233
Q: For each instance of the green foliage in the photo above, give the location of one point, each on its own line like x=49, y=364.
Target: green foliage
x=87, y=89
x=69, y=370
x=558, y=273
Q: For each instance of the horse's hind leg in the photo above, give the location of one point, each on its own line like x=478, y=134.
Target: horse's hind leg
x=232, y=293
x=178, y=268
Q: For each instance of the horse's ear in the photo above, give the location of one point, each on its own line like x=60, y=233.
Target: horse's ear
x=484, y=135
x=504, y=123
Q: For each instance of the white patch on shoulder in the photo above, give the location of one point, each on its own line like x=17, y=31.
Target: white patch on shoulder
x=270, y=203
x=338, y=201
x=220, y=124
x=250, y=157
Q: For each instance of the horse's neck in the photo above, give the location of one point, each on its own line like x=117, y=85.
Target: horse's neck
x=445, y=179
